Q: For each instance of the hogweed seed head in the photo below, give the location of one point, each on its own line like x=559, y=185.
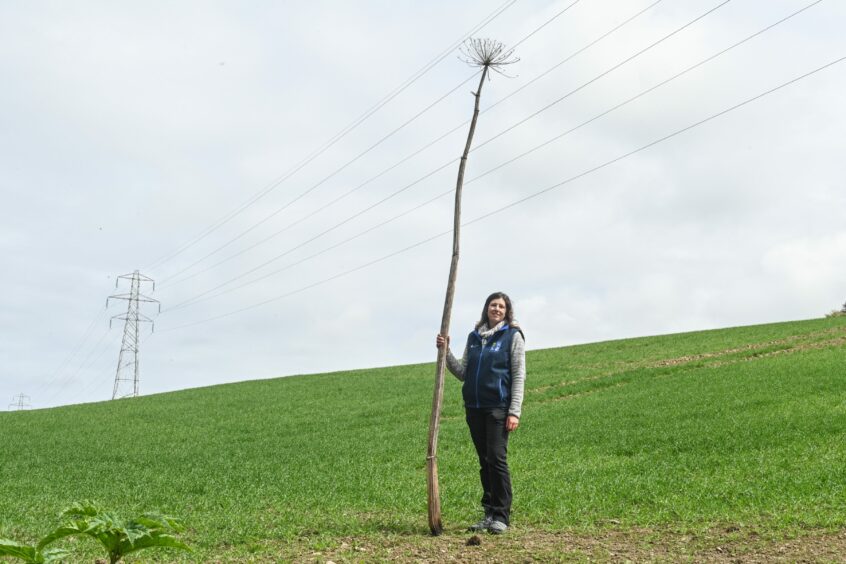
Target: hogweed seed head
x=487, y=53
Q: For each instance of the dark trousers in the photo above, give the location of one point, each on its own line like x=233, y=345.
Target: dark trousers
x=487, y=428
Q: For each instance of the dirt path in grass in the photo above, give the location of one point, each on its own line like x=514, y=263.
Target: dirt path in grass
x=797, y=343
x=728, y=544
x=818, y=340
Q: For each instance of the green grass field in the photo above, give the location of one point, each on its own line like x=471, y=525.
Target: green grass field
x=737, y=428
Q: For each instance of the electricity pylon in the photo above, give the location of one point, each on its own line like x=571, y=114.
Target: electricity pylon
x=127, y=373
x=19, y=402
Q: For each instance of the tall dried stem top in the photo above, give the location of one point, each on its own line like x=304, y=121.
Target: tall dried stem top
x=487, y=53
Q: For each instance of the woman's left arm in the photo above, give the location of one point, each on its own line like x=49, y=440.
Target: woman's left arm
x=518, y=381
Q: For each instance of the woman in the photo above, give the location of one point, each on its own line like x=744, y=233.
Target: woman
x=493, y=369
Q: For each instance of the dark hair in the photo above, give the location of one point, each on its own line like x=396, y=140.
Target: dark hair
x=509, y=310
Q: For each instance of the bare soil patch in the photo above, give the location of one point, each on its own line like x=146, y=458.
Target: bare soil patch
x=731, y=543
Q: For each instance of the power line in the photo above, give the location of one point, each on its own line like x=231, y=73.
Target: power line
x=520, y=200
x=285, y=206
x=642, y=93
x=75, y=350
x=85, y=362
x=543, y=25
x=601, y=75
x=200, y=297
x=109, y=375
x=418, y=151
x=570, y=57
x=536, y=30
x=445, y=165
x=300, y=196
x=95, y=383
x=653, y=143
x=337, y=137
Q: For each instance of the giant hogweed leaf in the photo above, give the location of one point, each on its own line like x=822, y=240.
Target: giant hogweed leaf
x=87, y=518
x=117, y=536
x=82, y=509
x=152, y=540
x=109, y=539
x=31, y=554
x=55, y=554
x=157, y=521
x=92, y=514
x=71, y=528
x=23, y=551
x=133, y=531
x=66, y=530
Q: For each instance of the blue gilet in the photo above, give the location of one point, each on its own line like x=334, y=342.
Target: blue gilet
x=487, y=375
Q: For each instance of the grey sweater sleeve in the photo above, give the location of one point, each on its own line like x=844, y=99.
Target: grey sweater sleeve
x=457, y=366
x=518, y=374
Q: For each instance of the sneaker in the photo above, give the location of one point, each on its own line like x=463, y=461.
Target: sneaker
x=497, y=527
x=481, y=525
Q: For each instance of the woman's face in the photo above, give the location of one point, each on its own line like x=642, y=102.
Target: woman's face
x=496, y=311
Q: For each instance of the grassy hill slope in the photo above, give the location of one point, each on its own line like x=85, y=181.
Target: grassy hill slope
x=743, y=426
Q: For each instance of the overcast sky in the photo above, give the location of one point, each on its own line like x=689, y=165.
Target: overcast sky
x=127, y=129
